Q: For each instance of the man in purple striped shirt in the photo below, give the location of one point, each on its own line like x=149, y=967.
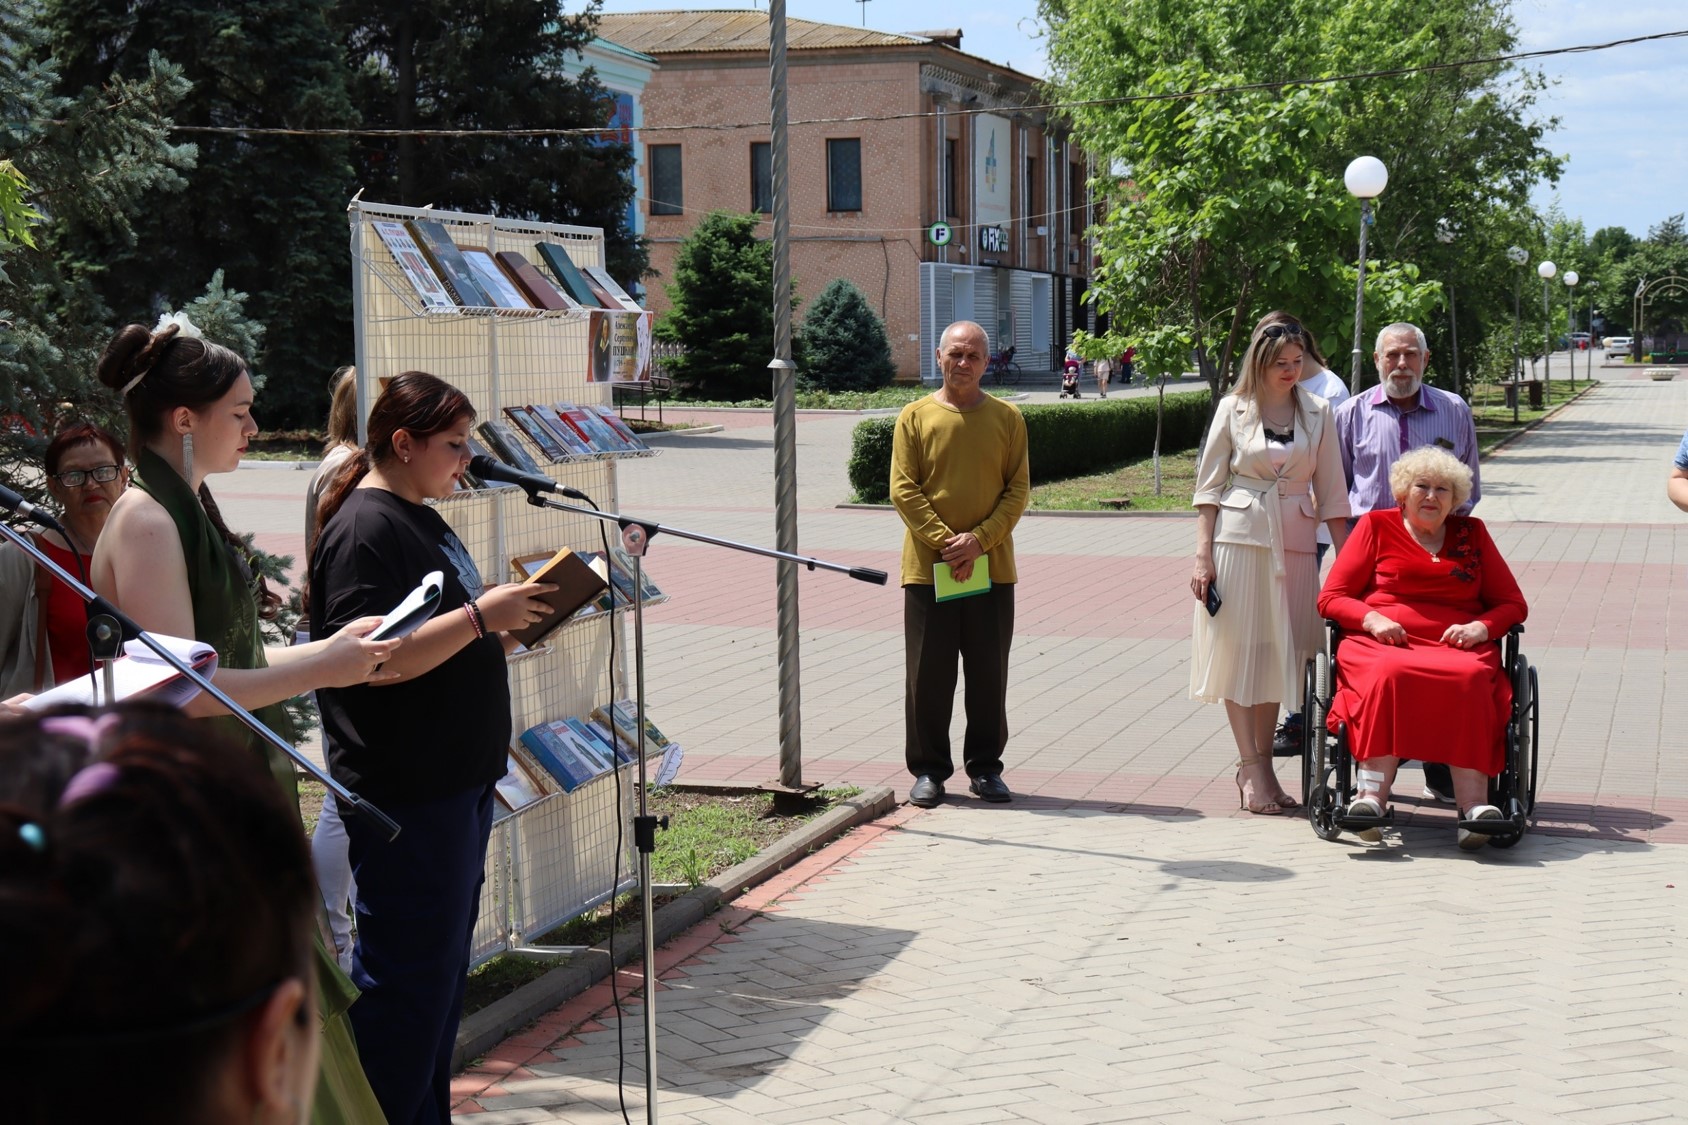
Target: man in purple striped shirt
x=1399, y=414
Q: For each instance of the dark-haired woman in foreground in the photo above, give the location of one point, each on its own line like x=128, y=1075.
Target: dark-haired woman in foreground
x=427, y=746
x=156, y=909
x=167, y=560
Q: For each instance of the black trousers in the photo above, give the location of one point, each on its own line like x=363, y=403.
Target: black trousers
x=977, y=631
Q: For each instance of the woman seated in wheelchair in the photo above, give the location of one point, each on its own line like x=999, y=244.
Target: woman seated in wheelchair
x=1423, y=599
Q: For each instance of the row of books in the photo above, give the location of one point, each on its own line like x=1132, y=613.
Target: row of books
x=564, y=754
x=561, y=431
x=448, y=276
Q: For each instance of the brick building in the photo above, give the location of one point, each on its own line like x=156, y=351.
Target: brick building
x=934, y=134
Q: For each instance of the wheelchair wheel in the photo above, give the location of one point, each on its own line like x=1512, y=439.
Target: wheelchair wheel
x=1524, y=732
x=1319, y=794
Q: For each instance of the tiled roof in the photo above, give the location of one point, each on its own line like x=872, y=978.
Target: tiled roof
x=660, y=33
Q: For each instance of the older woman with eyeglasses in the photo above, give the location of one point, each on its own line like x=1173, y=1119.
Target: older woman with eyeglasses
x=1270, y=474
x=42, y=622
x=1423, y=597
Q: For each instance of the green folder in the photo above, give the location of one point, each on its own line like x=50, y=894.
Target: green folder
x=947, y=588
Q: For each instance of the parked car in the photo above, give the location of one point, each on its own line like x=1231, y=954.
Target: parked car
x=1618, y=346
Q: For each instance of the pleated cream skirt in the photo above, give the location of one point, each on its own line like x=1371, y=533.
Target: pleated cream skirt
x=1255, y=648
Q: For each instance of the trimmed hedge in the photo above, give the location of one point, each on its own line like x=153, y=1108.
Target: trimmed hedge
x=1063, y=439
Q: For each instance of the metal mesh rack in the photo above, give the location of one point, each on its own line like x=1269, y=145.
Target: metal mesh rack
x=558, y=856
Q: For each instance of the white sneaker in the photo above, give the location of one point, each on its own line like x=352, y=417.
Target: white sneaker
x=1431, y=793
x=1469, y=840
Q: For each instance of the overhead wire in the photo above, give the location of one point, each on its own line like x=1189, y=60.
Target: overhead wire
x=1055, y=106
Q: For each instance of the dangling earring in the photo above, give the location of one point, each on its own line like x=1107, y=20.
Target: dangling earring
x=187, y=457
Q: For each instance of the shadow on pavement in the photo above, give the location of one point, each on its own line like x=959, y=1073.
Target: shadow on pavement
x=1206, y=870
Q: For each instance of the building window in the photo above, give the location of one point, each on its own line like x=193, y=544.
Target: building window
x=1028, y=204
x=1076, y=199
x=668, y=195
x=844, y=174
x=951, y=210
x=761, y=177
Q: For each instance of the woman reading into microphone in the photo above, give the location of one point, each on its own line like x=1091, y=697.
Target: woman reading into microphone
x=427, y=746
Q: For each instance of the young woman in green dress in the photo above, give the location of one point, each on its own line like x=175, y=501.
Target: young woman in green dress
x=168, y=561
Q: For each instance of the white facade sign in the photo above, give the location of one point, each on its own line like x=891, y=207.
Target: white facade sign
x=993, y=171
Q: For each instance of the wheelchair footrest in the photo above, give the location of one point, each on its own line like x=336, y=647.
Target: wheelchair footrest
x=1357, y=823
x=1493, y=826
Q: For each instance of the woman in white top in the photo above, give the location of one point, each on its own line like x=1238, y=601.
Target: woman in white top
x=1270, y=473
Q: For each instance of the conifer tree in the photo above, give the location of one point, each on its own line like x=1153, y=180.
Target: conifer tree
x=844, y=342
x=270, y=210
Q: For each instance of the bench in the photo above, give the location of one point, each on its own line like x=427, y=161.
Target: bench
x=1535, y=390
x=1661, y=374
x=657, y=388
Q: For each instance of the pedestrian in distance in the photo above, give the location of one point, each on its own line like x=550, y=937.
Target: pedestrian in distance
x=158, y=913
x=1269, y=474
x=1104, y=372
x=1128, y=364
x=1399, y=415
x=960, y=481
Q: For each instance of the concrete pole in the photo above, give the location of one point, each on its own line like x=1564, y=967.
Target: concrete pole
x=1360, y=302
x=785, y=416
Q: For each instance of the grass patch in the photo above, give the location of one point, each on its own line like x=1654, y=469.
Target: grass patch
x=1494, y=417
x=1132, y=480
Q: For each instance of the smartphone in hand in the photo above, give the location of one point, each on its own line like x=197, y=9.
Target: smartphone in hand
x=1213, y=599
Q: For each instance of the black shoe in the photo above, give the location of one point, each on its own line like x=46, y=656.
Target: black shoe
x=1286, y=742
x=990, y=787
x=926, y=791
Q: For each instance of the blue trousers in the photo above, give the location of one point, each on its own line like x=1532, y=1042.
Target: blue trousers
x=417, y=901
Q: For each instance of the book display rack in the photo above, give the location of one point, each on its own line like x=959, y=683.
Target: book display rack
x=555, y=857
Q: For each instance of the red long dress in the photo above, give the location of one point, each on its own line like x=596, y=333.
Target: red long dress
x=1426, y=700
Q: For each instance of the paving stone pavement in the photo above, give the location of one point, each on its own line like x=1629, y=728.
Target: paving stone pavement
x=1121, y=944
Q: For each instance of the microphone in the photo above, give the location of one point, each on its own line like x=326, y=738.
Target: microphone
x=23, y=509
x=489, y=469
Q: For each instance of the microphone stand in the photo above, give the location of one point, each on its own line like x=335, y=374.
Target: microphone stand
x=635, y=539
x=119, y=627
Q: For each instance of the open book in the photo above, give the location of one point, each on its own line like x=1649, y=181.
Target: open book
x=412, y=613
x=138, y=673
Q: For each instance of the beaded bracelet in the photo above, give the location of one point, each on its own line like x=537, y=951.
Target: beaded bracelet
x=470, y=611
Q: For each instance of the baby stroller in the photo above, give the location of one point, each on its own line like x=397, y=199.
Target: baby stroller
x=1069, y=376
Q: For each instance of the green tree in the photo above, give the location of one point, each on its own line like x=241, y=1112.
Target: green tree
x=87, y=163
x=424, y=64
x=1225, y=206
x=721, y=309
x=268, y=211
x=844, y=343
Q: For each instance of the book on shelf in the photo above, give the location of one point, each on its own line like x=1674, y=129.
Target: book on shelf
x=506, y=446
x=139, y=673
x=414, y=265
x=592, y=745
x=532, y=283
x=476, y=449
x=577, y=440
x=448, y=261
x=557, y=756
x=602, y=438
x=623, y=562
x=557, y=259
x=613, y=295
x=613, y=596
x=622, y=715
x=577, y=584
x=497, y=284
x=538, y=433
x=615, y=422
x=516, y=790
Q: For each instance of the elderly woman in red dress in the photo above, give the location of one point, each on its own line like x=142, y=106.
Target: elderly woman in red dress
x=1423, y=598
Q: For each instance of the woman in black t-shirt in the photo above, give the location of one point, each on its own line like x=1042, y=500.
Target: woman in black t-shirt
x=427, y=746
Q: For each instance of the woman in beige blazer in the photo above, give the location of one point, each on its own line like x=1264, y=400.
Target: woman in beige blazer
x=1270, y=473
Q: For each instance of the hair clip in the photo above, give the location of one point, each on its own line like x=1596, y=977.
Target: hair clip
x=32, y=836
x=88, y=781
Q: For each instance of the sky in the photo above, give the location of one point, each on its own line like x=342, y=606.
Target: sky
x=1621, y=111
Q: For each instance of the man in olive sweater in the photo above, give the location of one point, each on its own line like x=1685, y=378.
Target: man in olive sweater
x=959, y=480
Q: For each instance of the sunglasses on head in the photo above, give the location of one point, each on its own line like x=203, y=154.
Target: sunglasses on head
x=1278, y=331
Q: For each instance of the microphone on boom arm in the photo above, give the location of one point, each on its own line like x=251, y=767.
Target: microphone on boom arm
x=489, y=469
x=23, y=509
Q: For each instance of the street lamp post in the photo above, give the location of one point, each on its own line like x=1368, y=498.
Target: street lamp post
x=1517, y=255
x=1445, y=235
x=1588, y=367
x=1545, y=271
x=1571, y=280
x=1366, y=178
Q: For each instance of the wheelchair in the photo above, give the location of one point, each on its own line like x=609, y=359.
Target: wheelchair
x=1328, y=768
